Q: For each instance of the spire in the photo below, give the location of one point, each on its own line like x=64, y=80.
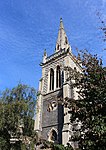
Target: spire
x=62, y=40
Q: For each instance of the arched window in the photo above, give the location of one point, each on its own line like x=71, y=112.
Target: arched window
x=51, y=79
x=58, y=77
x=62, y=77
x=53, y=136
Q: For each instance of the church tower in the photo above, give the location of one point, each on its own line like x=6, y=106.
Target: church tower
x=52, y=118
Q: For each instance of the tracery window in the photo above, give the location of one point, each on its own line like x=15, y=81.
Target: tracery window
x=58, y=77
x=51, y=79
x=52, y=106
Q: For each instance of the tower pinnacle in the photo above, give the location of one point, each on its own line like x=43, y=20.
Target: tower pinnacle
x=44, y=56
x=62, y=40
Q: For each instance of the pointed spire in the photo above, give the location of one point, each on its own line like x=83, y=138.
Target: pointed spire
x=62, y=40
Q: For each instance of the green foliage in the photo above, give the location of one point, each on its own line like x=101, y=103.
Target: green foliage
x=17, y=112
x=61, y=147
x=54, y=146
x=89, y=109
x=3, y=144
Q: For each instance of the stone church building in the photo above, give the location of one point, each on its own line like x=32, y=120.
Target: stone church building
x=52, y=118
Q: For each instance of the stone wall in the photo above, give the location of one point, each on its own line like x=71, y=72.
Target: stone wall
x=52, y=119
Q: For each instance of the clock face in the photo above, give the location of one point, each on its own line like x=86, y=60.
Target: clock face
x=52, y=106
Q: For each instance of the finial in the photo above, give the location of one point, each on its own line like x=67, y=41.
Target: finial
x=44, y=56
x=61, y=20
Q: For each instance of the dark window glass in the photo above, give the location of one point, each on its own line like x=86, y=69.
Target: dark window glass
x=51, y=79
x=58, y=77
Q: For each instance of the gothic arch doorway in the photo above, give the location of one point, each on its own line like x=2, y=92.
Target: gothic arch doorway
x=53, y=137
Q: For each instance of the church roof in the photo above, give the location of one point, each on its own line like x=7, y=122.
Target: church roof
x=62, y=40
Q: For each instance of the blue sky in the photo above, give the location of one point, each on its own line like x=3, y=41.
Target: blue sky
x=27, y=27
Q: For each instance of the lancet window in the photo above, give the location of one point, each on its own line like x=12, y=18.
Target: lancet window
x=62, y=77
x=58, y=77
x=51, y=79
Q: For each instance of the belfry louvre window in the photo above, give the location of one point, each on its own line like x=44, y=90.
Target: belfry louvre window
x=51, y=79
x=62, y=77
x=58, y=77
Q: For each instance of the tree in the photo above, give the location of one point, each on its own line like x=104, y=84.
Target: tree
x=16, y=114
x=89, y=110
